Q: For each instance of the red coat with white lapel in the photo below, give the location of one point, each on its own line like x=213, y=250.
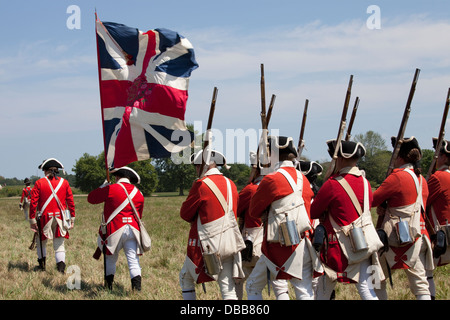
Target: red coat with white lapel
x=201, y=202
x=39, y=195
x=113, y=196
x=333, y=200
x=273, y=187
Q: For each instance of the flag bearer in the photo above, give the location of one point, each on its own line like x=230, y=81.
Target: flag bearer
x=120, y=229
x=210, y=209
x=438, y=206
x=404, y=195
x=52, y=212
x=282, y=196
x=343, y=205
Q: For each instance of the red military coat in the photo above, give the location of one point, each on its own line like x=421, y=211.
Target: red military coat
x=273, y=187
x=399, y=190
x=334, y=201
x=40, y=193
x=438, y=204
x=113, y=196
x=26, y=194
x=439, y=197
x=245, y=196
x=201, y=202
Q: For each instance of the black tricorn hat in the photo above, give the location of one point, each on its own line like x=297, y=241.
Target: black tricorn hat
x=128, y=173
x=347, y=149
x=284, y=145
x=216, y=156
x=26, y=181
x=445, y=146
x=407, y=145
x=310, y=168
x=50, y=163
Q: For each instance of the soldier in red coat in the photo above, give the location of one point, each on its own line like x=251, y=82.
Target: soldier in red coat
x=251, y=228
x=26, y=198
x=401, y=201
x=52, y=212
x=438, y=205
x=210, y=209
x=282, y=201
x=343, y=205
x=120, y=227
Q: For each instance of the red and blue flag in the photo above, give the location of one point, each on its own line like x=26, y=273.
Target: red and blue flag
x=144, y=79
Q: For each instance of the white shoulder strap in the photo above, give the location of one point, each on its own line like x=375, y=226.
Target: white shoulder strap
x=296, y=186
x=124, y=203
x=352, y=194
x=53, y=195
x=226, y=205
x=418, y=186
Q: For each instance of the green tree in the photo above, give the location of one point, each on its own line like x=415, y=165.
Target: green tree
x=90, y=172
x=149, y=177
x=239, y=173
x=427, y=158
x=173, y=176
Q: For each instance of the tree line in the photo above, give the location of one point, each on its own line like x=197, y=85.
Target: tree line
x=163, y=175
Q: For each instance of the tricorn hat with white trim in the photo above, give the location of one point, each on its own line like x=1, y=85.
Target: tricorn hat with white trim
x=216, y=156
x=284, y=145
x=50, y=163
x=445, y=146
x=127, y=172
x=407, y=145
x=347, y=149
x=310, y=168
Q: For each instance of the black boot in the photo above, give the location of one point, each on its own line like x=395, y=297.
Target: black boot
x=109, y=281
x=41, y=263
x=136, y=283
x=61, y=266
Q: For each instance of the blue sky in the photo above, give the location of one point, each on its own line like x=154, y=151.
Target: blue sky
x=49, y=83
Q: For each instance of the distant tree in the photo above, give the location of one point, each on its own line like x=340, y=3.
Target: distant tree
x=376, y=160
x=427, y=157
x=90, y=172
x=174, y=177
x=239, y=173
x=148, y=174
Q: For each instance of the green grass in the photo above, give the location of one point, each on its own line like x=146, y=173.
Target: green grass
x=160, y=266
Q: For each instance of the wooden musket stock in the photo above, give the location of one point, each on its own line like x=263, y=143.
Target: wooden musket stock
x=301, y=143
x=208, y=128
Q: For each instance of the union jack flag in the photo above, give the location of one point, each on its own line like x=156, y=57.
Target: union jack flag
x=144, y=79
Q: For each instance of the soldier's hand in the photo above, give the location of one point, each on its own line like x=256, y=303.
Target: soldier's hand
x=34, y=227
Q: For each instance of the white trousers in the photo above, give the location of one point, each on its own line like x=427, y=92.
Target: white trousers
x=58, y=247
x=365, y=289
x=225, y=280
x=129, y=244
x=303, y=287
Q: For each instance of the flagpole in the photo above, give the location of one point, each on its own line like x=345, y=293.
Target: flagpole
x=101, y=104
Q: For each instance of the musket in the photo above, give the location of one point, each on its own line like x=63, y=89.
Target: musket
x=301, y=142
x=33, y=242
x=401, y=132
x=38, y=222
x=352, y=120
x=332, y=167
x=208, y=132
x=440, y=137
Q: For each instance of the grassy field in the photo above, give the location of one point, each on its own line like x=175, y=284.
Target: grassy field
x=160, y=266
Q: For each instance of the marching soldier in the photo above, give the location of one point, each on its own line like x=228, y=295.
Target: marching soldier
x=121, y=228
x=351, y=242
x=215, y=242
x=252, y=229
x=438, y=206
x=52, y=212
x=405, y=193
x=26, y=198
x=287, y=253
